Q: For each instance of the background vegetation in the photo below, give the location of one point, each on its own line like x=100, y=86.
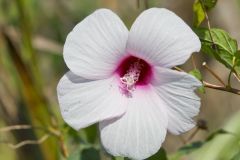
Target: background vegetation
x=32, y=33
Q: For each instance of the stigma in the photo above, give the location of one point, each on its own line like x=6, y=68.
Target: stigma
x=132, y=76
x=133, y=72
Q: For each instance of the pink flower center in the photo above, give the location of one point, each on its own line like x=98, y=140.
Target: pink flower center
x=133, y=72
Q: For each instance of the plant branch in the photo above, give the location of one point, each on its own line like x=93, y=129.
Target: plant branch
x=235, y=75
x=15, y=127
x=27, y=142
x=193, y=134
x=213, y=73
x=20, y=127
x=49, y=131
x=178, y=69
x=221, y=88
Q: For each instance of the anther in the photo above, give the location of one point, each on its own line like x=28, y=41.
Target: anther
x=131, y=77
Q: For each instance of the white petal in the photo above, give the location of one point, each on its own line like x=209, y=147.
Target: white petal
x=95, y=45
x=84, y=102
x=162, y=38
x=177, y=91
x=139, y=133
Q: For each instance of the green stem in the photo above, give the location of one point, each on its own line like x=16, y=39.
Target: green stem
x=229, y=79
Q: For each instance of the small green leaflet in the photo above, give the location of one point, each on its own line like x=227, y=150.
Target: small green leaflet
x=198, y=10
x=196, y=73
x=198, y=13
x=224, y=49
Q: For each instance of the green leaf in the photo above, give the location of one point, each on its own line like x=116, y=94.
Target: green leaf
x=90, y=154
x=91, y=132
x=237, y=55
x=160, y=155
x=222, y=146
x=220, y=131
x=209, y=4
x=186, y=150
x=236, y=156
x=196, y=73
x=191, y=147
x=202, y=89
x=237, y=63
x=224, y=50
x=198, y=13
x=198, y=10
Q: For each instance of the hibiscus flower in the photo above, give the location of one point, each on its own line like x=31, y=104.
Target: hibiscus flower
x=123, y=80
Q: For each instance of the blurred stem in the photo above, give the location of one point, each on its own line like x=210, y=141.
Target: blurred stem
x=63, y=147
x=193, y=134
x=138, y=3
x=49, y=131
x=29, y=53
x=28, y=142
x=36, y=104
x=193, y=62
x=146, y=4
x=34, y=100
x=20, y=127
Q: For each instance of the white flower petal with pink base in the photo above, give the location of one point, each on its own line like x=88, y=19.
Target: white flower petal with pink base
x=161, y=38
x=84, y=102
x=123, y=80
x=139, y=133
x=176, y=89
x=95, y=45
